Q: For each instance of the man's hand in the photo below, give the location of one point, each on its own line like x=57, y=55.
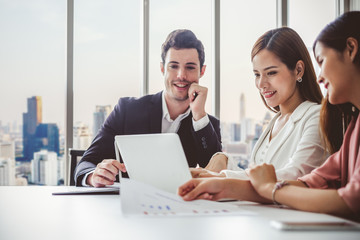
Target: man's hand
x=105, y=173
x=197, y=96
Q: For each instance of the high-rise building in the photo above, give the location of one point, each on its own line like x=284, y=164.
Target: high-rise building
x=266, y=120
x=7, y=172
x=247, y=129
x=31, y=120
x=258, y=132
x=240, y=153
x=47, y=137
x=61, y=170
x=235, y=131
x=246, y=123
x=242, y=107
x=7, y=150
x=45, y=168
x=82, y=136
x=100, y=114
x=7, y=164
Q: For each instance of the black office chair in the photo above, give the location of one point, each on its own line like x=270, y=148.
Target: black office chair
x=75, y=156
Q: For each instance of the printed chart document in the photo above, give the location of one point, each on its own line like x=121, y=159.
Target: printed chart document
x=140, y=199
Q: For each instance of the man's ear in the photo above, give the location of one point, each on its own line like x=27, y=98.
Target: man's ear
x=162, y=68
x=352, y=48
x=202, y=70
x=299, y=69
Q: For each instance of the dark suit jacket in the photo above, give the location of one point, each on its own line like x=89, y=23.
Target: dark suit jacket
x=141, y=116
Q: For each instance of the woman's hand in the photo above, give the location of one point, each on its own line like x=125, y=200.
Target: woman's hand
x=217, y=163
x=209, y=189
x=263, y=179
x=203, y=173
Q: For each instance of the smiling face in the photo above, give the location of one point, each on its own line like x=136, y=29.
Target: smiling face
x=181, y=69
x=335, y=73
x=276, y=83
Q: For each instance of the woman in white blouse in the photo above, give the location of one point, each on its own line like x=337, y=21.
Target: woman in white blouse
x=287, y=84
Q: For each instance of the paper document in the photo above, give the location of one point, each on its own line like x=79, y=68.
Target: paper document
x=140, y=199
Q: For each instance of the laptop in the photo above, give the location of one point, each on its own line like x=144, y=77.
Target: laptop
x=155, y=159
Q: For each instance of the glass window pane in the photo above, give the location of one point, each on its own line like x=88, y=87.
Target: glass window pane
x=32, y=99
x=242, y=111
x=106, y=61
x=304, y=19
x=354, y=5
x=166, y=16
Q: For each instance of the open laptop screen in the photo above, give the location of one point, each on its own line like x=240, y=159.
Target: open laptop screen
x=155, y=159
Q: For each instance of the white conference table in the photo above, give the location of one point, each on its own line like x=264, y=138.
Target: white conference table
x=34, y=213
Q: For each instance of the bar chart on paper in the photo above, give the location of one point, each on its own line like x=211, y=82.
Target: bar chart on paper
x=141, y=199
x=173, y=207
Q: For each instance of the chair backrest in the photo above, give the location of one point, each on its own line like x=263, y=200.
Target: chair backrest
x=74, y=158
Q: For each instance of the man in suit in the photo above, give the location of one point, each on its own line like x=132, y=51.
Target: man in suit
x=180, y=109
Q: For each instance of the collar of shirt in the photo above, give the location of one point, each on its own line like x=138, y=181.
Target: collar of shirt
x=168, y=125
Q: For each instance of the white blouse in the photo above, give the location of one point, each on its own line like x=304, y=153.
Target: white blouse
x=260, y=154
x=295, y=151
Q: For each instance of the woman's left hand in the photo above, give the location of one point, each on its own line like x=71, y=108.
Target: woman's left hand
x=203, y=173
x=263, y=179
x=205, y=188
x=217, y=162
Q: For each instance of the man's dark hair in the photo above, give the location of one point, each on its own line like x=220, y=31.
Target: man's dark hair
x=183, y=38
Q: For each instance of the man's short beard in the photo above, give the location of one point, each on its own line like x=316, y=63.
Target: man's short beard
x=182, y=99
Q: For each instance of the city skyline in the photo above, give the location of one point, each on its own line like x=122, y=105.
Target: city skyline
x=107, y=57
x=110, y=65
x=38, y=150
x=107, y=66
x=40, y=134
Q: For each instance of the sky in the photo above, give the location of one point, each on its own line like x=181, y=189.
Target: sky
x=107, y=48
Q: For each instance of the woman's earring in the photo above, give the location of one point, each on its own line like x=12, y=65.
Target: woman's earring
x=299, y=80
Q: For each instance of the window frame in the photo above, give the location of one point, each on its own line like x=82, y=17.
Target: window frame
x=282, y=20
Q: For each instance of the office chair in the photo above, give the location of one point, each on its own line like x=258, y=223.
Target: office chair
x=74, y=155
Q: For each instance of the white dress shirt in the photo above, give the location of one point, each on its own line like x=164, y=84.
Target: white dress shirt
x=169, y=125
x=294, y=151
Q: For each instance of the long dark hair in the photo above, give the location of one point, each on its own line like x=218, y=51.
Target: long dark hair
x=287, y=45
x=334, y=119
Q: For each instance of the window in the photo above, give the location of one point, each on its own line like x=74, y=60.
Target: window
x=354, y=5
x=304, y=19
x=242, y=111
x=107, y=66
x=166, y=16
x=106, y=62
x=32, y=77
